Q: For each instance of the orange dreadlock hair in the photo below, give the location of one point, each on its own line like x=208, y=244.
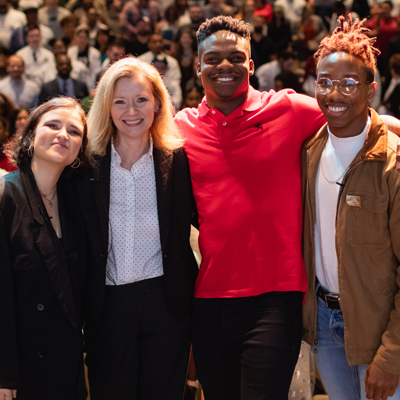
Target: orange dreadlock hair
x=351, y=37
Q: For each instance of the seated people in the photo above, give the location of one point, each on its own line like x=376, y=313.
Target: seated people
x=40, y=64
x=63, y=84
x=21, y=91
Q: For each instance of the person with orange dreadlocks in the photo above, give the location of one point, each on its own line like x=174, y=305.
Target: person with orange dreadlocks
x=351, y=195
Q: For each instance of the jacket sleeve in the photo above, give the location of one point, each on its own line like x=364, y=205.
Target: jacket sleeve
x=9, y=362
x=388, y=355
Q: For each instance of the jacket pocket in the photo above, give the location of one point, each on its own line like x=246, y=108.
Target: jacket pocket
x=367, y=218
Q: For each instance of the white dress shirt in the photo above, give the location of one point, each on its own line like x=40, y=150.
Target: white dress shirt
x=40, y=65
x=134, y=237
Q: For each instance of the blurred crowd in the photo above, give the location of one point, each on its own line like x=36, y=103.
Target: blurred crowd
x=58, y=47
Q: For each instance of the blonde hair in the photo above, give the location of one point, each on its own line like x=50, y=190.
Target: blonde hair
x=164, y=132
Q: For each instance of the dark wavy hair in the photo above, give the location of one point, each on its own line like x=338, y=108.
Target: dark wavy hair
x=17, y=149
x=222, y=23
x=351, y=37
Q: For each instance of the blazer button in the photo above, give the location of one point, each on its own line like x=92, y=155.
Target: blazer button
x=165, y=256
x=40, y=307
x=40, y=354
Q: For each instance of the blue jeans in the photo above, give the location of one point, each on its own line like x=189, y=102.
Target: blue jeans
x=341, y=381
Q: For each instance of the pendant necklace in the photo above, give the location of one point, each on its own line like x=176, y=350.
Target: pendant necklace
x=49, y=200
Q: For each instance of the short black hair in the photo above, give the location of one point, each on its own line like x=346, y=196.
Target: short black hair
x=389, y=3
x=222, y=23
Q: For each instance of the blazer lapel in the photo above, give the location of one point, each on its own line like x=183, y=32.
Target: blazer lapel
x=163, y=170
x=102, y=194
x=50, y=248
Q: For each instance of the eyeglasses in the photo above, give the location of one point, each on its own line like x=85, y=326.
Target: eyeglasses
x=347, y=86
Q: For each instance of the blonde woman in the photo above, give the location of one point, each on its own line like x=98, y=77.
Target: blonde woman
x=138, y=209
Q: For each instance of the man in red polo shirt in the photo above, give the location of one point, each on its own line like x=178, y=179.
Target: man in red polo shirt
x=244, y=153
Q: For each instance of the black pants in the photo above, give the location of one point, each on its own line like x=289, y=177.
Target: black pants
x=138, y=351
x=246, y=348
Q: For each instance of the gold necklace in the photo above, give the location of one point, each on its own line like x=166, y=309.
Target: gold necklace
x=44, y=196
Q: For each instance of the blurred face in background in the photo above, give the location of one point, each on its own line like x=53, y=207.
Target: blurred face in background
x=155, y=43
x=21, y=119
x=193, y=98
x=82, y=40
x=59, y=47
x=15, y=67
x=33, y=38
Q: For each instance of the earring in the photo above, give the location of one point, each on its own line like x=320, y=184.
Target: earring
x=30, y=151
x=76, y=163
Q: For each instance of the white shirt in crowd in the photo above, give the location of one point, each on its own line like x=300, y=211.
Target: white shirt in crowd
x=134, y=244
x=10, y=21
x=52, y=19
x=172, y=78
x=23, y=93
x=336, y=157
x=93, y=62
x=40, y=65
x=266, y=74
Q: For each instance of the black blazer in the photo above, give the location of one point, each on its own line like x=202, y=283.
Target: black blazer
x=41, y=277
x=174, y=203
x=52, y=89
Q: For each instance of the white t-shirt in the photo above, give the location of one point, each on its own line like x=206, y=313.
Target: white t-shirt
x=335, y=158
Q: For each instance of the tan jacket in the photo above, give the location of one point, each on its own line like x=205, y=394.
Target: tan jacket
x=367, y=245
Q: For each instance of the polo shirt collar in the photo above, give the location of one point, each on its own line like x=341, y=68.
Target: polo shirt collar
x=253, y=102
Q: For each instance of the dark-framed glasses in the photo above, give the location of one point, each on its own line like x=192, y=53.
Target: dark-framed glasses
x=347, y=86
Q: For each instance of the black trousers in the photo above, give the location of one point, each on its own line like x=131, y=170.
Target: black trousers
x=246, y=348
x=138, y=351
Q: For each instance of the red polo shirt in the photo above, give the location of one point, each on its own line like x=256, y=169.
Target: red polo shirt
x=246, y=177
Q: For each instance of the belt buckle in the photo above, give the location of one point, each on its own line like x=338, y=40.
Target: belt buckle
x=331, y=298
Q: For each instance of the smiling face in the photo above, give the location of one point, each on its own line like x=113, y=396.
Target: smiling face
x=58, y=137
x=33, y=38
x=346, y=114
x=225, y=67
x=15, y=67
x=133, y=108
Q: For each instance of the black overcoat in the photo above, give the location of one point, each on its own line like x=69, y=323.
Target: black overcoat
x=41, y=278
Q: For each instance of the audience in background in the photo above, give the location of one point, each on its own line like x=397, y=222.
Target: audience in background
x=266, y=73
x=384, y=27
x=51, y=15
x=17, y=119
x=63, y=84
x=310, y=31
x=185, y=52
x=85, y=53
x=18, y=38
x=132, y=12
x=262, y=44
x=279, y=30
x=288, y=80
x=172, y=73
x=10, y=20
x=40, y=64
x=96, y=33
x=21, y=91
x=391, y=98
